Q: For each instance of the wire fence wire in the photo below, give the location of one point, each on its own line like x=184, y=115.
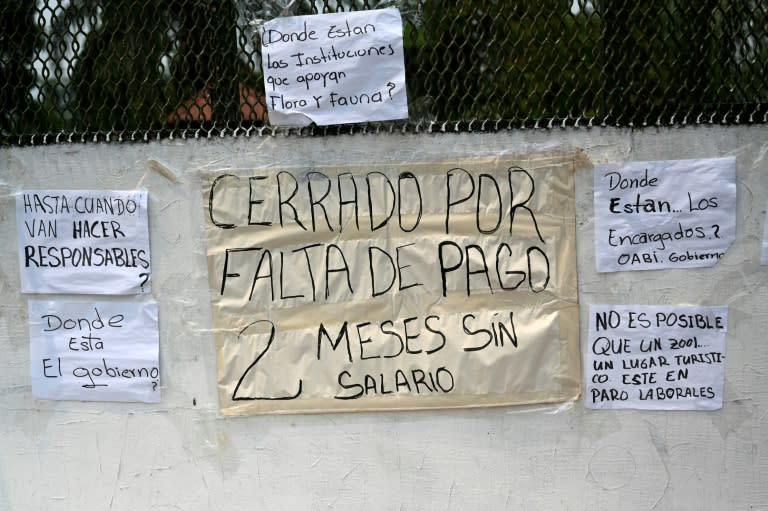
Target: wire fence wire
x=120, y=70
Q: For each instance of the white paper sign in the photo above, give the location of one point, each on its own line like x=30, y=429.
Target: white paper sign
x=764, y=256
x=83, y=241
x=94, y=351
x=334, y=68
x=664, y=214
x=655, y=357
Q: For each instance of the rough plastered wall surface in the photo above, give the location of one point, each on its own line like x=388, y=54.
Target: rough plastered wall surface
x=182, y=455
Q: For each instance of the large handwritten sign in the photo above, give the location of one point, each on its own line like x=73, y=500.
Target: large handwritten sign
x=440, y=284
x=664, y=214
x=655, y=357
x=94, y=351
x=83, y=241
x=334, y=68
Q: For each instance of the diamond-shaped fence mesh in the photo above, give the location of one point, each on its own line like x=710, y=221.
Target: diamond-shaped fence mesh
x=110, y=70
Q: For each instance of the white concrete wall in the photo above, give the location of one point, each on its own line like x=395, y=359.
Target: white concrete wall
x=181, y=455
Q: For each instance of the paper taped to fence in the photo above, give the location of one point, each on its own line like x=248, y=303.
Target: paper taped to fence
x=386, y=287
x=334, y=68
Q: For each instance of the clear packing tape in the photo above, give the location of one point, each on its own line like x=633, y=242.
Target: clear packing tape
x=256, y=13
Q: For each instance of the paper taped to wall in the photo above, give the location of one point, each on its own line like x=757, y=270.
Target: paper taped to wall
x=764, y=252
x=435, y=284
x=651, y=215
x=655, y=357
x=83, y=241
x=89, y=350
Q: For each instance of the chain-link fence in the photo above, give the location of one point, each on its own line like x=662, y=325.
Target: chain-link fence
x=109, y=70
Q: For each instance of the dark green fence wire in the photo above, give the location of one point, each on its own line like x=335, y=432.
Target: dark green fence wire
x=121, y=70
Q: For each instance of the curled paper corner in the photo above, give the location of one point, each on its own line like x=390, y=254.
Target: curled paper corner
x=163, y=170
x=277, y=118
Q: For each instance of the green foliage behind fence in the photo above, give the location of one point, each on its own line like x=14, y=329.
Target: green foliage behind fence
x=136, y=69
